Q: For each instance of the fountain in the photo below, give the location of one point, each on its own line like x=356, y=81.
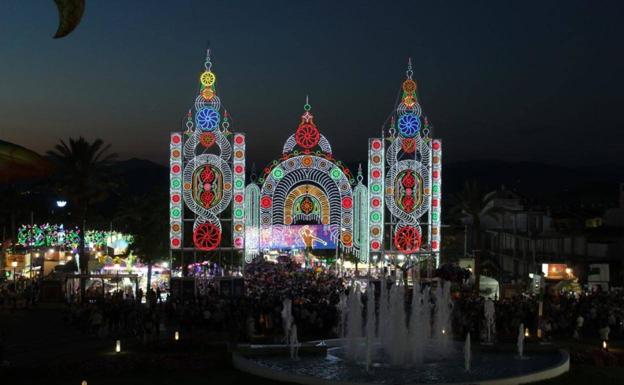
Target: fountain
x=370, y=326
x=290, y=329
x=354, y=323
x=403, y=339
x=467, y=353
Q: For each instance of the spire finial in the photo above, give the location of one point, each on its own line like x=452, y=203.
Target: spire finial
x=253, y=176
x=409, y=71
x=307, y=105
x=360, y=177
x=208, y=62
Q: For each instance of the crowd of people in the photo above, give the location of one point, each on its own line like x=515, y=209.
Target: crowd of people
x=116, y=314
x=314, y=294
x=595, y=315
x=18, y=294
x=255, y=313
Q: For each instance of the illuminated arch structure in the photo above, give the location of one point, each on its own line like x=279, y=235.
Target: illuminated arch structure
x=411, y=176
x=305, y=185
x=207, y=177
x=398, y=211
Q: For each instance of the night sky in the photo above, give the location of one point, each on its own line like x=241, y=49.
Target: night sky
x=522, y=80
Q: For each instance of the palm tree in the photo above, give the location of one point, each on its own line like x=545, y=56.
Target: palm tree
x=473, y=203
x=147, y=220
x=84, y=177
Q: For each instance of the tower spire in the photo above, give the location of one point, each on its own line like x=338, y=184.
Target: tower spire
x=208, y=61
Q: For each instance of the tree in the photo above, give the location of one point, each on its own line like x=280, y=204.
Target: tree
x=84, y=176
x=146, y=218
x=473, y=203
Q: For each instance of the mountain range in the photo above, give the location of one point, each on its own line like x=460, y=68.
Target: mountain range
x=586, y=186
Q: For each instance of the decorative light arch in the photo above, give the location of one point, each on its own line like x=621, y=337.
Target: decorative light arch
x=296, y=195
x=412, y=179
x=307, y=161
x=207, y=172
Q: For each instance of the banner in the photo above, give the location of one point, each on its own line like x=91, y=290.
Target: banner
x=296, y=237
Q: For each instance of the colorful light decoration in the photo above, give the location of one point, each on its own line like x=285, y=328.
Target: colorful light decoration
x=207, y=119
x=413, y=176
x=238, y=203
x=407, y=239
x=207, y=172
x=252, y=219
x=307, y=184
x=409, y=125
x=207, y=79
x=360, y=218
x=436, y=198
x=53, y=235
x=376, y=194
x=307, y=202
x=206, y=236
x=175, y=191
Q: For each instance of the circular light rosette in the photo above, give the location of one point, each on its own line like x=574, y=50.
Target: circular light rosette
x=407, y=238
x=207, y=119
x=409, y=125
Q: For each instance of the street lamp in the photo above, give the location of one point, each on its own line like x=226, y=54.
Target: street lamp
x=342, y=229
x=14, y=265
x=61, y=203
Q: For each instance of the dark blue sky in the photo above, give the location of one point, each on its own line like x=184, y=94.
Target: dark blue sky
x=518, y=80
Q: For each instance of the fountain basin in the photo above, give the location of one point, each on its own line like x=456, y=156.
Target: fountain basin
x=486, y=368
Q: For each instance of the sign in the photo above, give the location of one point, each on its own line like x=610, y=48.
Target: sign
x=556, y=271
x=299, y=237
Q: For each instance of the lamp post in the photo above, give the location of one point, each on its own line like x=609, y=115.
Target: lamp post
x=336, y=256
x=342, y=256
x=14, y=265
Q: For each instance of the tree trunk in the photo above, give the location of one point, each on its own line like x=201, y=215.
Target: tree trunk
x=149, y=275
x=476, y=228
x=83, y=259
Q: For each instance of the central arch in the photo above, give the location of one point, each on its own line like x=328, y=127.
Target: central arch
x=332, y=183
x=295, y=207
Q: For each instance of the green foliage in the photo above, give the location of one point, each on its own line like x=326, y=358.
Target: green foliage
x=84, y=176
x=84, y=173
x=147, y=219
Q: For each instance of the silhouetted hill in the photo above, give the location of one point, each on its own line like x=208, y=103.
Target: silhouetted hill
x=141, y=176
x=542, y=183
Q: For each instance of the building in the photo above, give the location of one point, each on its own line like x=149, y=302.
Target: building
x=520, y=240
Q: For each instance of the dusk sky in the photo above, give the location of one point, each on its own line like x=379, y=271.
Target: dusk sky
x=522, y=80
